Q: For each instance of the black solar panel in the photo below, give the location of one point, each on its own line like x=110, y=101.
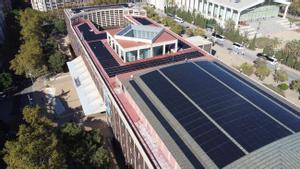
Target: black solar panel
x=183, y=45
x=218, y=147
x=295, y=112
x=90, y=35
x=103, y=55
x=246, y=123
x=143, y=21
x=284, y=113
x=112, y=71
x=167, y=126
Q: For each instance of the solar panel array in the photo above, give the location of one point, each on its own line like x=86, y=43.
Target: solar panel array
x=90, y=35
x=142, y=21
x=234, y=116
x=112, y=71
x=188, y=153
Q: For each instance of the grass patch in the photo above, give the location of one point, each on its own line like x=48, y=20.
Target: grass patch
x=264, y=41
x=276, y=89
x=293, y=19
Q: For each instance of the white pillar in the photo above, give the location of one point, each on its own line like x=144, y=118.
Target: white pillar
x=285, y=11
x=207, y=7
x=231, y=13
x=218, y=13
x=224, y=15
x=212, y=10
x=164, y=49
x=138, y=54
x=201, y=6
x=176, y=46
x=237, y=19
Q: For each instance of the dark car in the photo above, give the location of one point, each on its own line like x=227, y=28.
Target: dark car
x=262, y=55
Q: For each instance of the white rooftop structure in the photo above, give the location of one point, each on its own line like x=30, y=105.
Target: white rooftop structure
x=86, y=89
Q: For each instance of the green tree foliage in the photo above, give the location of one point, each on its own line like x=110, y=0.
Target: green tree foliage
x=198, y=32
x=269, y=50
x=189, y=32
x=283, y=86
x=290, y=54
x=280, y=76
x=36, y=146
x=31, y=21
x=29, y=59
x=57, y=62
x=5, y=81
x=262, y=42
x=168, y=21
x=178, y=29
x=252, y=43
x=247, y=69
x=84, y=149
x=295, y=84
x=60, y=26
x=261, y=71
x=294, y=8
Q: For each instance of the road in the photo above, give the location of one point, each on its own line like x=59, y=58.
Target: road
x=248, y=54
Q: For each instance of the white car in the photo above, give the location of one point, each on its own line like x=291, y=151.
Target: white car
x=178, y=19
x=238, y=48
x=272, y=60
x=217, y=38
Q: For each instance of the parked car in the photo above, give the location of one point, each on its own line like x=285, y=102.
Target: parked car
x=170, y=15
x=178, y=19
x=262, y=55
x=272, y=60
x=217, y=38
x=238, y=48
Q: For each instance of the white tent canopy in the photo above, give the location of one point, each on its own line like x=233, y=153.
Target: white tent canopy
x=87, y=91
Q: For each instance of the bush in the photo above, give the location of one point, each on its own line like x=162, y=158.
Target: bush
x=5, y=81
x=280, y=76
x=295, y=84
x=199, y=32
x=262, y=42
x=283, y=86
x=178, y=29
x=247, y=69
x=262, y=71
x=276, y=89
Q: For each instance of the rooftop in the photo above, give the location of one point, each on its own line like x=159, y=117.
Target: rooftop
x=238, y=4
x=140, y=32
x=212, y=117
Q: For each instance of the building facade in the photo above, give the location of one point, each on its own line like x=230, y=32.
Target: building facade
x=48, y=5
x=236, y=10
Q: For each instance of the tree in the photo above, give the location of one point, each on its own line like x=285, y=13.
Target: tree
x=56, y=62
x=189, y=32
x=252, y=45
x=294, y=8
x=199, y=32
x=280, y=76
x=31, y=21
x=59, y=26
x=268, y=50
x=5, y=81
x=247, y=69
x=29, y=59
x=295, y=85
x=261, y=71
x=178, y=29
x=36, y=145
x=84, y=149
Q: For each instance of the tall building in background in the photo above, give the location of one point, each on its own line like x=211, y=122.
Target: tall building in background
x=48, y=5
x=221, y=10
